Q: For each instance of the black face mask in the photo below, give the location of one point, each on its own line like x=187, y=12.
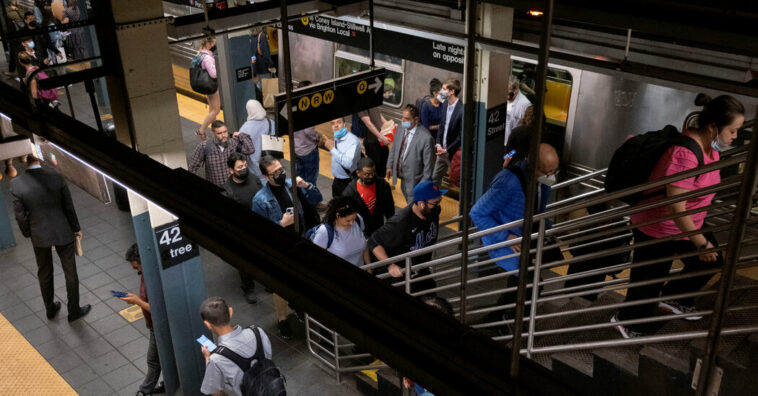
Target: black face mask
x=368, y=181
x=511, y=95
x=242, y=174
x=33, y=24
x=281, y=178
x=213, y=49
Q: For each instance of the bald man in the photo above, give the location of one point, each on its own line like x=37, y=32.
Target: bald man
x=502, y=203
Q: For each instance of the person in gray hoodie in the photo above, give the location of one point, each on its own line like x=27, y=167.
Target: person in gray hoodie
x=256, y=125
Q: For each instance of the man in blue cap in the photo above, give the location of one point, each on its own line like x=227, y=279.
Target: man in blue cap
x=414, y=227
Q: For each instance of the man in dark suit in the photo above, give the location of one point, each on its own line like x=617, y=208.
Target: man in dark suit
x=412, y=155
x=45, y=212
x=451, y=125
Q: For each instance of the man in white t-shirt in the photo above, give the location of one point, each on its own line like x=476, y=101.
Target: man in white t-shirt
x=517, y=105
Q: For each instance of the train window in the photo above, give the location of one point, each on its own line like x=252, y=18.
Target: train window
x=558, y=95
x=348, y=62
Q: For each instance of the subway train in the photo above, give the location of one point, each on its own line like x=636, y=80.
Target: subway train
x=589, y=114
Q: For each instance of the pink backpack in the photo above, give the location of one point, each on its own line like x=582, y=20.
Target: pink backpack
x=46, y=94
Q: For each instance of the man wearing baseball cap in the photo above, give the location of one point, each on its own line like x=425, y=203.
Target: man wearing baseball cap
x=414, y=227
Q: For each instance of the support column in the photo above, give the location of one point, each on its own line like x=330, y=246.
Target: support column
x=235, y=77
x=491, y=93
x=146, y=117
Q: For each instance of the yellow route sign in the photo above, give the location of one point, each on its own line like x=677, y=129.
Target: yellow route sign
x=362, y=87
x=316, y=100
x=305, y=20
x=304, y=103
x=328, y=96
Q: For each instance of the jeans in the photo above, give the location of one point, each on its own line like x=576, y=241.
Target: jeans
x=307, y=166
x=153, y=367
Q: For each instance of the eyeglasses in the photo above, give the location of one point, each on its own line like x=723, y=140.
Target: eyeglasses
x=277, y=173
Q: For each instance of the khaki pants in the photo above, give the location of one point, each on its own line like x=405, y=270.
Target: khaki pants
x=281, y=307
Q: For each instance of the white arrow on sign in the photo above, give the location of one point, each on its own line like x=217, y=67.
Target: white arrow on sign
x=376, y=85
x=283, y=112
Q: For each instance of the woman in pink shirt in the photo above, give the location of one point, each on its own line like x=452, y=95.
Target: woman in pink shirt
x=207, y=46
x=717, y=126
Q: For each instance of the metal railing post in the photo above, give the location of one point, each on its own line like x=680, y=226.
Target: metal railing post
x=290, y=121
x=535, y=289
x=408, y=275
x=531, y=192
x=469, y=110
x=742, y=212
x=335, y=338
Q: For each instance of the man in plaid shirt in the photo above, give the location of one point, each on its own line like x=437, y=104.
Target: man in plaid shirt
x=214, y=152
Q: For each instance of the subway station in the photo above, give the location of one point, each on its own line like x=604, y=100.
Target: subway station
x=338, y=197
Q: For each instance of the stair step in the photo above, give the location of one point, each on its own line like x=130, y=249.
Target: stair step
x=390, y=383
x=556, y=323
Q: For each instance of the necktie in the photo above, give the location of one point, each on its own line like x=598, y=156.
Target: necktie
x=400, y=154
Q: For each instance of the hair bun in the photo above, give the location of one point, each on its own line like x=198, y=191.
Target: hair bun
x=702, y=99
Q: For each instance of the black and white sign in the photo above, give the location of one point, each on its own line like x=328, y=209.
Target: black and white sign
x=417, y=49
x=174, y=248
x=244, y=73
x=315, y=104
x=496, y=122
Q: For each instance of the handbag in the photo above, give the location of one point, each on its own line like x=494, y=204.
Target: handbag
x=272, y=145
x=200, y=80
x=269, y=88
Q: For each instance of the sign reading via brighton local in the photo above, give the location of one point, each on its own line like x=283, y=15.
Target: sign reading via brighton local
x=173, y=247
x=316, y=104
x=432, y=52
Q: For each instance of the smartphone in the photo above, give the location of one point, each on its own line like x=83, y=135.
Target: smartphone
x=290, y=210
x=208, y=344
x=509, y=155
x=118, y=293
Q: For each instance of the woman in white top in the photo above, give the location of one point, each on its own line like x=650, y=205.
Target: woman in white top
x=347, y=241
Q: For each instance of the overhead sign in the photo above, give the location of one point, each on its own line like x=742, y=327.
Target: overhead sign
x=326, y=101
x=173, y=247
x=430, y=52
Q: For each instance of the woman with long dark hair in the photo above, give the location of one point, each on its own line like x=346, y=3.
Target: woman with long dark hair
x=342, y=231
x=716, y=127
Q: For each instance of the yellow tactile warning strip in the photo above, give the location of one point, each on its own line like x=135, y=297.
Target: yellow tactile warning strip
x=24, y=371
x=132, y=313
x=372, y=373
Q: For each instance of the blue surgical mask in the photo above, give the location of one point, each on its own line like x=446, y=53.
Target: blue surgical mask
x=406, y=124
x=339, y=134
x=719, y=146
x=31, y=44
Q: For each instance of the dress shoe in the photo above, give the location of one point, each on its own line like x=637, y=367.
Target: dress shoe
x=285, y=331
x=56, y=307
x=251, y=297
x=83, y=310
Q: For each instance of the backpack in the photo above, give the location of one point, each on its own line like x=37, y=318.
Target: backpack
x=633, y=162
x=420, y=102
x=311, y=233
x=44, y=94
x=200, y=80
x=261, y=376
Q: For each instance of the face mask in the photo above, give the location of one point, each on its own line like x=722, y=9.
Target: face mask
x=213, y=49
x=281, y=178
x=406, y=124
x=442, y=96
x=341, y=133
x=33, y=24
x=31, y=45
x=368, y=181
x=511, y=95
x=719, y=146
x=242, y=174
x=547, y=180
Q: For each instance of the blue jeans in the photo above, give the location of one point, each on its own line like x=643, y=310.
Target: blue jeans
x=307, y=166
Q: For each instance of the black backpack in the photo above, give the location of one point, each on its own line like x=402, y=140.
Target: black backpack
x=633, y=162
x=420, y=101
x=261, y=376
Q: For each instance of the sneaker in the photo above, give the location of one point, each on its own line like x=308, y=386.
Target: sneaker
x=675, y=308
x=625, y=332
x=284, y=330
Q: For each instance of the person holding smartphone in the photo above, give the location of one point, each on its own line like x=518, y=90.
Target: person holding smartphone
x=148, y=386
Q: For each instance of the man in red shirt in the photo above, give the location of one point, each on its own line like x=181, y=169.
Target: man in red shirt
x=148, y=386
x=372, y=195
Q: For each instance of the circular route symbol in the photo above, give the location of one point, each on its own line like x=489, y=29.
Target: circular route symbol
x=303, y=103
x=316, y=100
x=328, y=96
x=362, y=87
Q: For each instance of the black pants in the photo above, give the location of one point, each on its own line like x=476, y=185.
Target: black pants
x=247, y=283
x=660, y=270
x=44, y=257
x=378, y=154
x=338, y=186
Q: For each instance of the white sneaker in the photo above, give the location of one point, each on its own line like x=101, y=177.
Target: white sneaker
x=626, y=333
x=675, y=308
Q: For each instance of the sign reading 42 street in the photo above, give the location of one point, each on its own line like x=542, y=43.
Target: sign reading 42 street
x=315, y=104
x=173, y=247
